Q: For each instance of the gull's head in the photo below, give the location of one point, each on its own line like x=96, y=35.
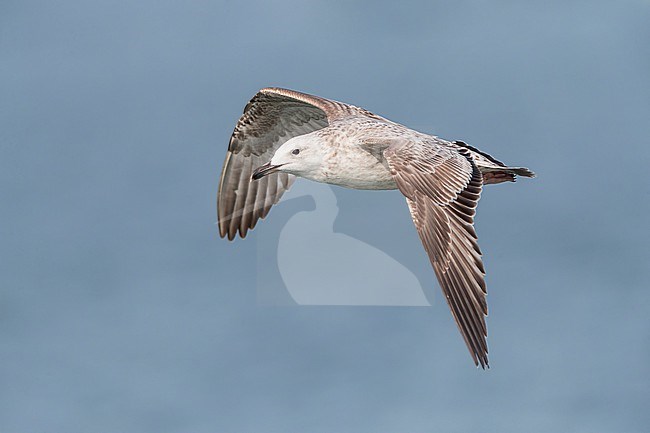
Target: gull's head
x=301, y=156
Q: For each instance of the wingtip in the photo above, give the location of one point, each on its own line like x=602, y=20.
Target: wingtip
x=229, y=233
x=222, y=231
x=483, y=363
x=243, y=231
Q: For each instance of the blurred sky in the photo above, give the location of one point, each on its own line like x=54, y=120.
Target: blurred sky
x=121, y=309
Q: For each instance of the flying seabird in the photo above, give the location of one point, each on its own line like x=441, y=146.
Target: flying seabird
x=284, y=133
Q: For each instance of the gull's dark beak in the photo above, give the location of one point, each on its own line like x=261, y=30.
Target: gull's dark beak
x=265, y=169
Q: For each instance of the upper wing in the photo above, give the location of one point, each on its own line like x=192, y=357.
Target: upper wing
x=442, y=188
x=271, y=118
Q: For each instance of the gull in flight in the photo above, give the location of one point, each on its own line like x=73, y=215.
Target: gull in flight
x=284, y=133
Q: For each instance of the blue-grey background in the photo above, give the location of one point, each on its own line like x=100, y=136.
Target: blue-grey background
x=121, y=310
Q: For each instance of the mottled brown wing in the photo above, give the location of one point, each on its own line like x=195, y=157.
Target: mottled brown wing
x=271, y=118
x=442, y=188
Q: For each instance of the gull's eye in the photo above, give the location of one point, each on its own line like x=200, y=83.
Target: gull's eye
x=295, y=151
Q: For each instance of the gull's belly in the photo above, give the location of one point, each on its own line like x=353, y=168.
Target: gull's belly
x=358, y=170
